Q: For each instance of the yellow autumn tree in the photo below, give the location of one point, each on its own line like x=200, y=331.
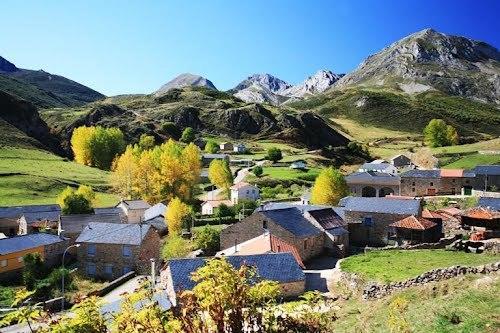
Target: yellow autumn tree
x=124, y=174
x=145, y=176
x=178, y=213
x=329, y=187
x=220, y=175
x=191, y=162
x=81, y=144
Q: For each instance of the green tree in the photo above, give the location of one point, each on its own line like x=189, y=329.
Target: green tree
x=329, y=187
x=274, y=154
x=211, y=147
x=224, y=211
x=176, y=247
x=438, y=134
x=220, y=174
x=33, y=270
x=207, y=239
x=257, y=171
x=188, y=135
x=146, y=142
x=245, y=207
x=76, y=202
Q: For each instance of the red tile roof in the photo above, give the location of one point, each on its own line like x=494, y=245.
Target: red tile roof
x=413, y=222
x=427, y=214
x=452, y=173
x=482, y=213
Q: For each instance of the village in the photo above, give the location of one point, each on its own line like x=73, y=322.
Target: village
x=296, y=242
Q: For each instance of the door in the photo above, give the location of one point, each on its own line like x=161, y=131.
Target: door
x=431, y=191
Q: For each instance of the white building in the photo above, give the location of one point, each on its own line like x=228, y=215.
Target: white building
x=239, y=148
x=208, y=207
x=244, y=191
x=379, y=167
x=298, y=165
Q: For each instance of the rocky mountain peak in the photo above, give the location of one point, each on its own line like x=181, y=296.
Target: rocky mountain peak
x=317, y=83
x=186, y=80
x=266, y=81
x=7, y=66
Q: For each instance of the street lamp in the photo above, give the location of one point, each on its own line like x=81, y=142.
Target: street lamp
x=62, y=288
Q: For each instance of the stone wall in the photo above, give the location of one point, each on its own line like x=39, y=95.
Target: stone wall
x=418, y=186
x=381, y=290
x=443, y=243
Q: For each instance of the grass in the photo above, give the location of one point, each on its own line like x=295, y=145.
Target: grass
x=399, y=265
x=467, y=304
x=365, y=133
x=30, y=176
x=493, y=144
x=470, y=161
x=284, y=173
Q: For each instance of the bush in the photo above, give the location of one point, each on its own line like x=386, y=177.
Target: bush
x=207, y=239
x=224, y=211
x=176, y=247
x=76, y=202
x=257, y=171
x=248, y=205
x=274, y=154
x=211, y=147
x=188, y=135
x=33, y=270
x=171, y=129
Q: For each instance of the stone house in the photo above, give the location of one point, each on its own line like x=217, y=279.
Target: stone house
x=487, y=177
x=226, y=146
x=482, y=219
x=289, y=224
x=49, y=247
x=209, y=207
x=71, y=226
x=133, y=209
x=110, y=250
x=379, y=167
x=415, y=229
x=265, y=243
x=401, y=161
x=206, y=159
x=373, y=184
x=239, y=148
x=280, y=267
x=334, y=228
x=21, y=220
x=436, y=182
x=368, y=219
x=244, y=191
x=155, y=217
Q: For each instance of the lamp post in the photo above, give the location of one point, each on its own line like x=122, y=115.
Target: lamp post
x=62, y=287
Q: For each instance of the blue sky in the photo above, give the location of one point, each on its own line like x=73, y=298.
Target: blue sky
x=120, y=47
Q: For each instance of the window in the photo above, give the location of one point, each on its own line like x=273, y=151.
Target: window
x=91, y=250
x=3, y=263
x=432, y=184
x=264, y=224
x=90, y=269
x=126, y=251
x=413, y=184
x=248, y=192
x=413, y=189
x=367, y=221
x=108, y=269
x=453, y=180
x=126, y=269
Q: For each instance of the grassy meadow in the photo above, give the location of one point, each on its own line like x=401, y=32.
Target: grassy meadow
x=31, y=176
x=399, y=265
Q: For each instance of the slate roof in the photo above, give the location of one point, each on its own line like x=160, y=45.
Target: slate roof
x=415, y=173
x=264, y=243
x=136, y=204
x=158, y=223
x=42, y=216
x=18, y=211
x=489, y=202
x=71, y=224
x=240, y=185
x=214, y=156
x=381, y=205
x=112, y=233
x=157, y=210
x=292, y=220
x=108, y=210
x=280, y=267
x=24, y=242
x=289, y=204
x=414, y=223
x=376, y=166
x=373, y=177
x=327, y=218
x=490, y=170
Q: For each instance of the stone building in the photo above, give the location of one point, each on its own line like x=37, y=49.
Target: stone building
x=71, y=226
x=415, y=229
x=206, y=159
x=487, y=177
x=437, y=182
x=20, y=220
x=226, y=146
x=49, y=247
x=288, y=224
x=401, y=161
x=368, y=218
x=110, y=250
x=133, y=209
x=373, y=184
x=280, y=267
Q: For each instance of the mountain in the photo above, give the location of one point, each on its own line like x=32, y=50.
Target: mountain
x=314, y=84
x=429, y=60
x=261, y=88
x=22, y=126
x=44, y=89
x=185, y=80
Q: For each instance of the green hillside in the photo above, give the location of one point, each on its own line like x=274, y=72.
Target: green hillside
x=32, y=176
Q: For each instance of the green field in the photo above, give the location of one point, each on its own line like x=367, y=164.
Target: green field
x=399, y=265
x=287, y=173
x=30, y=176
x=466, y=304
x=470, y=161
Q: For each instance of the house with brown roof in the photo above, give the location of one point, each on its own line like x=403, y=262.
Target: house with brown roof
x=415, y=229
x=265, y=243
x=482, y=219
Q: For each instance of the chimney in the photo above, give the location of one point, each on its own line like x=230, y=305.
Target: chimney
x=235, y=245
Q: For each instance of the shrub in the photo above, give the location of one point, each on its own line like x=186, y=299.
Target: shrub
x=211, y=147
x=257, y=171
x=274, y=154
x=171, y=129
x=188, y=135
x=176, y=247
x=207, y=239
